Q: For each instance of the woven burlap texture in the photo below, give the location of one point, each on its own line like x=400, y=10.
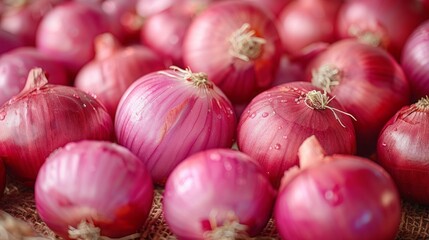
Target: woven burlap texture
x=18, y=201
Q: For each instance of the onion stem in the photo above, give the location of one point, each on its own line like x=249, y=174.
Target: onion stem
x=326, y=77
x=87, y=231
x=423, y=104
x=244, y=44
x=199, y=79
x=372, y=38
x=231, y=229
x=320, y=101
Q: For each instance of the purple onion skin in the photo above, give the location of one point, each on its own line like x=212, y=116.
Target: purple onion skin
x=40, y=120
x=68, y=31
x=17, y=63
x=210, y=186
x=8, y=41
x=163, y=118
x=94, y=180
x=415, y=62
x=348, y=198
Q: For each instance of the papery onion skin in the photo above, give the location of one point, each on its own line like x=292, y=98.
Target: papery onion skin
x=67, y=33
x=213, y=185
x=370, y=84
x=17, y=63
x=114, y=69
x=384, y=23
x=402, y=149
x=306, y=22
x=415, y=62
x=44, y=117
x=165, y=116
x=347, y=198
x=94, y=181
x=209, y=47
x=277, y=121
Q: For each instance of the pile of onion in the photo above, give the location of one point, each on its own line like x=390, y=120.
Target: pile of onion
x=17, y=63
x=114, y=69
x=93, y=190
x=336, y=197
x=67, y=33
x=168, y=115
x=217, y=194
x=403, y=151
x=367, y=80
x=237, y=44
x=43, y=117
x=277, y=121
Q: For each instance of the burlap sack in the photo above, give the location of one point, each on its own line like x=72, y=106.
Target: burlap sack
x=18, y=202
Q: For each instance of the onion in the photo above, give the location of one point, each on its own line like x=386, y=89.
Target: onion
x=68, y=31
x=164, y=33
x=237, y=45
x=273, y=7
x=2, y=178
x=277, y=121
x=114, y=69
x=93, y=188
x=367, y=81
x=306, y=22
x=43, y=117
x=415, y=62
x=8, y=41
x=402, y=150
x=217, y=194
x=168, y=115
x=23, y=17
x=17, y=63
x=337, y=197
x=147, y=8
x=124, y=20
x=383, y=23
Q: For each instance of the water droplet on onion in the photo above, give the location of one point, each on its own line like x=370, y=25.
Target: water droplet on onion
x=253, y=115
x=384, y=144
x=277, y=146
x=76, y=96
x=265, y=114
x=2, y=115
x=333, y=196
x=84, y=105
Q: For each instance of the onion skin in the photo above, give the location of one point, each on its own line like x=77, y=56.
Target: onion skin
x=164, y=117
x=371, y=86
x=44, y=117
x=306, y=22
x=384, y=23
x=8, y=41
x=277, y=121
x=114, y=69
x=274, y=7
x=68, y=31
x=402, y=150
x=212, y=185
x=208, y=48
x=414, y=61
x=95, y=181
x=17, y=63
x=346, y=198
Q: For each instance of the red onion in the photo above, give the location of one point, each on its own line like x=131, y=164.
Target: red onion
x=93, y=184
x=68, y=31
x=217, y=193
x=402, y=150
x=414, y=61
x=237, y=45
x=384, y=23
x=274, y=7
x=337, y=197
x=306, y=22
x=367, y=81
x=124, y=20
x=8, y=41
x=15, y=66
x=164, y=33
x=114, y=69
x=147, y=8
x=23, y=18
x=277, y=121
x=44, y=117
x=165, y=116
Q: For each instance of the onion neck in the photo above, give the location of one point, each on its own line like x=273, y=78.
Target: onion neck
x=320, y=101
x=244, y=44
x=199, y=79
x=87, y=231
x=326, y=77
x=230, y=230
x=106, y=45
x=371, y=37
x=423, y=104
x=35, y=81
